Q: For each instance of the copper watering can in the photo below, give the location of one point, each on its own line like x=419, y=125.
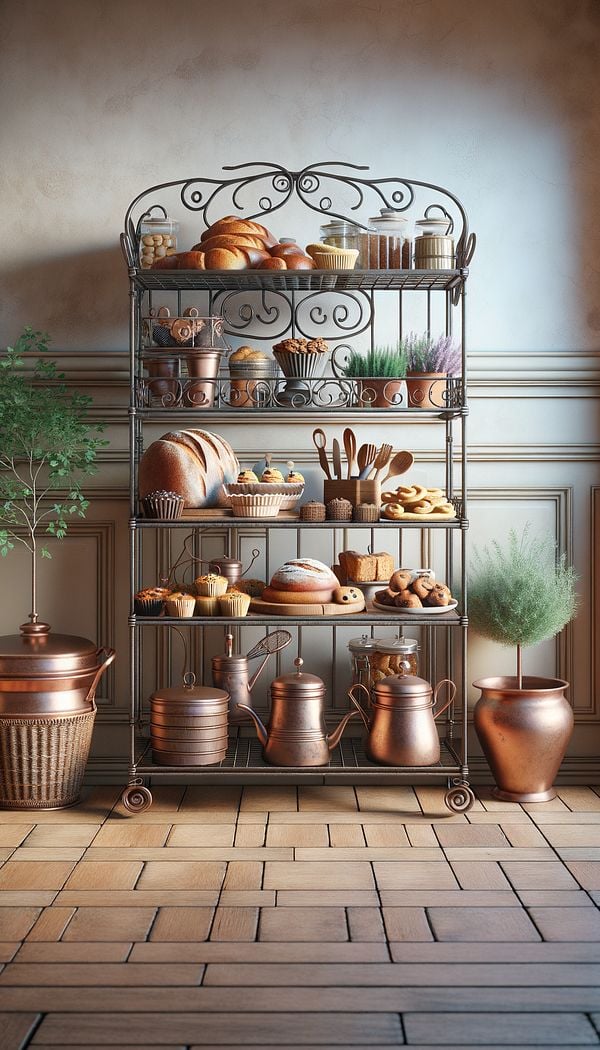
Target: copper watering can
x=231, y=672
x=401, y=720
x=296, y=734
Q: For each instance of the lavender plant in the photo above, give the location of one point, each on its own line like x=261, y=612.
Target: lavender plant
x=424, y=354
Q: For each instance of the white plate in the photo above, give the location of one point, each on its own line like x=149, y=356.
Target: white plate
x=430, y=610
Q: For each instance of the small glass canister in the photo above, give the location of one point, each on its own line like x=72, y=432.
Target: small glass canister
x=341, y=234
x=157, y=236
x=434, y=247
x=394, y=656
x=383, y=248
x=361, y=650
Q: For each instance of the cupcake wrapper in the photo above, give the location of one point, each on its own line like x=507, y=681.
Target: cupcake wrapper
x=300, y=366
x=212, y=588
x=336, y=260
x=207, y=606
x=170, y=507
x=182, y=607
x=234, y=604
x=148, y=606
x=256, y=505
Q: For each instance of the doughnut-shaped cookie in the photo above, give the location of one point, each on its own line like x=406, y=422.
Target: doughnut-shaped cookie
x=389, y=497
x=393, y=511
x=423, y=507
x=409, y=501
x=406, y=491
x=447, y=509
x=436, y=495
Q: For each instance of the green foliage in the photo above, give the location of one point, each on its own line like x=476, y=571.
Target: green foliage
x=521, y=594
x=384, y=362
x=45, y=447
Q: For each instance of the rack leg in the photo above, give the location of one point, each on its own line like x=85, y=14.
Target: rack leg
x=136, y=798
x=459, y=797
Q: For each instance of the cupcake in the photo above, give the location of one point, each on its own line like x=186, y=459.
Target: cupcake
x=163, y=504
x=150, y=601
x=207, y=605
x=247, y=477
x=180, y=604
x=234, y=603
x=211, y=585
x=271, y=476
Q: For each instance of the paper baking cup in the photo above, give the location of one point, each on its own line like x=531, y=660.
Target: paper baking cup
x=182, y=607
x=170, y=507
x=336, y=260
x=207, y=606
x=234, y=604
x=289, y=492
x=258, y=505
x=148, y=606
x=211, y=588
x=300, y=366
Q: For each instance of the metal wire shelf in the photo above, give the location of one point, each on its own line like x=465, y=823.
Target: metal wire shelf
x=369, y=618
x=297, y=280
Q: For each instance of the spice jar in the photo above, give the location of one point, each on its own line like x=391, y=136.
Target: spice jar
x=434, y=247
x=394, y=656
x=157, y=237
x=382, y=249
x=361, y=650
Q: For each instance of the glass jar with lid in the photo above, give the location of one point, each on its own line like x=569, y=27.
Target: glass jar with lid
x=341, y=234
x=398, y=656
x=361, y=650
x=157, y=236
x=383, y=248
x=434, y=246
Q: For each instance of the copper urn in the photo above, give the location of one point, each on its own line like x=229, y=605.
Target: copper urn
x=401, y=720
x=524, y=734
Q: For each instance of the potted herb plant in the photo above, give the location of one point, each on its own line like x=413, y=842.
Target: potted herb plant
x=379, y=375
x=520, y=595
x=47, y=682
x=429, y=362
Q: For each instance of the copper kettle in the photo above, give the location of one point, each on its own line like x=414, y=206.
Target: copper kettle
x=296, y=734
x=401, y=720
x=231, y=672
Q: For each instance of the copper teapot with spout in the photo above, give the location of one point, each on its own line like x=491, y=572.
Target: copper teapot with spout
x=296, y=734
x=401, y=721
x=231, y=671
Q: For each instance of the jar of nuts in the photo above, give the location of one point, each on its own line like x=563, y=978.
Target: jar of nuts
x=157, y=236
x=394, y=656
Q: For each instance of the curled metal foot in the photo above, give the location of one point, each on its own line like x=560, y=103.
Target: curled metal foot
x=136, y=798
x=459, y=799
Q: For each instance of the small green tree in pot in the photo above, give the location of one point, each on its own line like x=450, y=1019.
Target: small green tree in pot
x=46, y=446
x=520, y=595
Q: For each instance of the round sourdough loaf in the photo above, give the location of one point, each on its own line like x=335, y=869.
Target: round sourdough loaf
x=194, y=463
x=270, y=594
x=304, y=575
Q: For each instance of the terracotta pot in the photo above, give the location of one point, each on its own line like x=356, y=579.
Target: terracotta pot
x=524, y=734
x=380, y=393
x=426, y=389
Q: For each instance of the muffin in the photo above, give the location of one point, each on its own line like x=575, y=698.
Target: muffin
x=247, y=477
x=206, y=605
x=180, y=604
x=211, y=585
x=163, y=504
x=150, y=601
x=234, y=603
x=271, y=476
x=252, y=587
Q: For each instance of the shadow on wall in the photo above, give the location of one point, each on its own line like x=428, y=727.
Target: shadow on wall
x=73, y=297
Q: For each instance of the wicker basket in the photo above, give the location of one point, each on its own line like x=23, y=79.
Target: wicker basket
x=43, y=759
x=312, y=511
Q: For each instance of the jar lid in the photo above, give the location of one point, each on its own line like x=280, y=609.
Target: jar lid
x=398, y=686
x=397, y=645
x=194, y=693
x=340, y=226
x=388, y=219
x=364, y=644
x=434, y=227
x=297, y=685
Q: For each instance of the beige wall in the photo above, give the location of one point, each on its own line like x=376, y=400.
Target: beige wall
x=496, y=99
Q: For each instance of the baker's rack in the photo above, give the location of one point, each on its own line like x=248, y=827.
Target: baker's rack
x=251, y=302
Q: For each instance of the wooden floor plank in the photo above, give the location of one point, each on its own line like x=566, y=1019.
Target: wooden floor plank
x=34, y=875
x=15, y=1029
x=182, y=924
x=297, y=835
x=234, y=924
x=261, y=951
x=51, y=924
x=366, y=924
x=319, y=875
x=97, y=974
x=76, y=951
x=126, y=834
x=182, y=875
x=303, y=924
x=104, y=875
x=531, y=1028
x=109, y=924
x=482, y=924
x=62, y=835
x=202, y=835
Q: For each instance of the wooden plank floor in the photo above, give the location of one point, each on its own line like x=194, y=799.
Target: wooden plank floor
x=301, y=917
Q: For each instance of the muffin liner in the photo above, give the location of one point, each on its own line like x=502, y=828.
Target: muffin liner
x=256, y=505
x=170, y=507
x=234, y=604
x=182, y=607
x=207, y=605
x=336, y=260
x=290, y=492
x=148, y=606
x=211, y=588
x=300, y=366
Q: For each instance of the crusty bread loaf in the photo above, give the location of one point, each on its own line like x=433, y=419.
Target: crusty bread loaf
x=280, y=251
x=361, y=568
x=272, y=264
x=229, y=240
x=226, y=259
x=166, y=262
x=194, y=463
x=385, y=565
x=271, y=594
x=299, y=262
x=233, y=224
x=304, y=574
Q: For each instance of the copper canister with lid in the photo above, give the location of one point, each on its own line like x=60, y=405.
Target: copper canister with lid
x=188, y=724
x=394, y=656
x=400, y=719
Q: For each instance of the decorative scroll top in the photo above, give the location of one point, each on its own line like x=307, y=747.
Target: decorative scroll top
x=332, y=189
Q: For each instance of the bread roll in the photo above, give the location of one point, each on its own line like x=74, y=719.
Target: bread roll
x=304, y=575
x=272, y=264
x=193, y=463
x=280, y=251
x=225, y=259
x=165, y=262
x=299, y=262
x=190, y=260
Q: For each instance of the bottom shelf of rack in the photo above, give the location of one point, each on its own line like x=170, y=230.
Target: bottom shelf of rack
x=244, y=757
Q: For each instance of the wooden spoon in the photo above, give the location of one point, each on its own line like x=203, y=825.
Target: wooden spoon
x=399, y=464
x=350, y=450
x=366, y=455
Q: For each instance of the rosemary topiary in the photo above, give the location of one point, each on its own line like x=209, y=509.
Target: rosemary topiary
x=45, y=448
x=380, y=362
x=521, y=594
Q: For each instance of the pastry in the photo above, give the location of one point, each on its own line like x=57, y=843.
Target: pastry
x=389, y=497
x=254, y=588
x=233, y=226
x=163, y=504
x=304, y=575
x=439, y=595
x=211, y=585
x=271, y=476
x=294, y=477
x=302, y=346
x=234, y=603
x=400, y=580
x=385, y=596
x=180, y=604
x=247, y=476
x=206, y=605
x=392, y=511
x=348, y=595
x=279, y=597
x=150, y=601
x=247, y=353
x=407, y=600
x=422, y=586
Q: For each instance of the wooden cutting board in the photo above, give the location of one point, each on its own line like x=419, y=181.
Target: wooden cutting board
x=257, y=605
x=407, y=516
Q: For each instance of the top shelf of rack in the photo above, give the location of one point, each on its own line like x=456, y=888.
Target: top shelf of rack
x=298, y=280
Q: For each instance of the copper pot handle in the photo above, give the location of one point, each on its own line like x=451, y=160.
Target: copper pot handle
x=359, y=708
x=444, y=681
x=109, y=655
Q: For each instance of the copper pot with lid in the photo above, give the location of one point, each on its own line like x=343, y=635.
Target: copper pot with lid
x=188, y=724
x=296, y=734
x=42, y=673
x=401, y=720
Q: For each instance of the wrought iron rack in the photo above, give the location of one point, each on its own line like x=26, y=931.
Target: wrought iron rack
x=268, y=305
